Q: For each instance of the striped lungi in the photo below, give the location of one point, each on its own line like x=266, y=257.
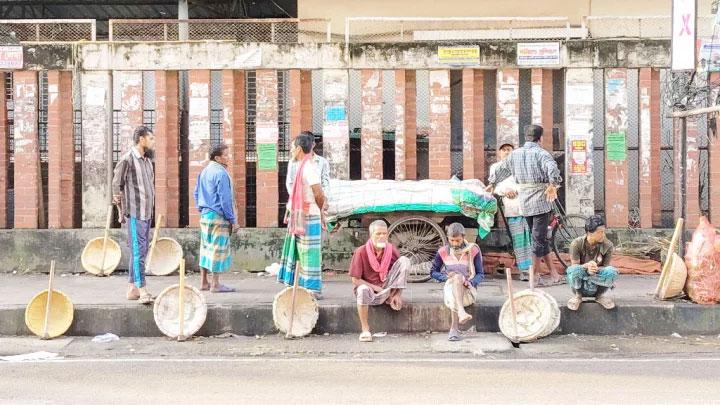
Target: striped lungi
x=521, y=242
x=304, y=251
x=215, y=253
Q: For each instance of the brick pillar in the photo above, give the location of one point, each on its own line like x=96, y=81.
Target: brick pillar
x=306, y=101
x=473, y=125
x=440, y=166
x=371, y=131
x=61, y=151
x=167, y=170
x=267, y=134
x=336, y=135
x=199, y=135
x=692, y=194
x=228, y=103
x=240, y=171
x=542, y=104
x=4, y=160
x=28, y=184
x=297, y=103
x=131, y=106
x=650, y=206
x=96, y=124
x=579, y=181
x=508, y=106
x=616, y=171
x=405, y=125
x=714, y=164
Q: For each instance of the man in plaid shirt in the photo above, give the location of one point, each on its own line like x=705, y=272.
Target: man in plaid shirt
x=538, y=178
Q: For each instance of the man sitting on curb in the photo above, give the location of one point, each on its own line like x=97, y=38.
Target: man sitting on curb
x=378, y=275
x=460, y=266
x=591, y=274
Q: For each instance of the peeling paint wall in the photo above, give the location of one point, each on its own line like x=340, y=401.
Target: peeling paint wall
x=439, y=138
x=336, y=143
x=580, y=191
x=508, y=107
x=616, y=170
x=371, y=130
x=130, y=106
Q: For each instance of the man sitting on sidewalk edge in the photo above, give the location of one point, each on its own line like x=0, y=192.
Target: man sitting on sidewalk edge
x=378, y=275
x=591, y=274
x=460, y=266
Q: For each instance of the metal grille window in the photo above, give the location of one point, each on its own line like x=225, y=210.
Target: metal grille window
x=423, y=157
x=489, y=135
x=10, y=196
x=216, y=108
x=667, y=157
x=456, y=123
x=389, y=156
x=422, y=105
x=599, y=139
x=216, y=127
x=559, y=113
x=633, y=152
x=525, y=95
x=184, y=143
x=283, y=79
x=77, y=143
x=318, y=101
x=117, y=114
x=355, y=123
x=250, y=148
x=704, y=161
x=43, y=115
x=148, y=84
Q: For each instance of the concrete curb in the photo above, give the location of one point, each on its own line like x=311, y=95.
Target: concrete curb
x=627, y=318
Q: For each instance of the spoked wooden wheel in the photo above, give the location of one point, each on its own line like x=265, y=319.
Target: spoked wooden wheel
x=568, y=228
x=418, y=239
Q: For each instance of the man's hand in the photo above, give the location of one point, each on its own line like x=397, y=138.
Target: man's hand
x=376, y=288
x=511, y=194
x=551, y=193
x=490, y=188
x=591, y=267
x=116, y=199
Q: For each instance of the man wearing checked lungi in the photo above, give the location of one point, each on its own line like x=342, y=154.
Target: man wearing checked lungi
x=214, y=200
x=303, y=242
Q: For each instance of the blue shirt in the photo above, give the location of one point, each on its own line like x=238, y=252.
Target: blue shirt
x=213, y=192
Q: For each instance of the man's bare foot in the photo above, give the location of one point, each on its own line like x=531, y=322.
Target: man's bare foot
x=396, y=303
x=204, y=286
x=464, y=317
x=133, y=294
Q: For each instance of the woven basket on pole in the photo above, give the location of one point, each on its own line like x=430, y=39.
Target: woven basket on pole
x=306, y=311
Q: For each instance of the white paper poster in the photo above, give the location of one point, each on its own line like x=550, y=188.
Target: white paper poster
x=683, y=34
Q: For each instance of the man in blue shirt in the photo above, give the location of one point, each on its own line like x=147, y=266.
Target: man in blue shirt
x=214, y=199
x=459, y=265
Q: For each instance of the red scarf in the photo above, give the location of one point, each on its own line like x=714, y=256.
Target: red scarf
x=298, y=207
x=384, y=266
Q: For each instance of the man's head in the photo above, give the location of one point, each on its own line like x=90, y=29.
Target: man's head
x=456, y=235
x=218, y=153
x=312, y=136
x=301, y=147
x=533, y=133
x=504, y=151
x=144, y=138
x=379, y=233
x=595, y=229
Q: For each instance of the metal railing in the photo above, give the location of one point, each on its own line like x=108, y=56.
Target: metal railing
x=49, y=30
x=410, y=29
x=282, y=30
x=650, y=27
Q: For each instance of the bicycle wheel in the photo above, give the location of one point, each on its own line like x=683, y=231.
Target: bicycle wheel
x=418, y=239
x=569, y=228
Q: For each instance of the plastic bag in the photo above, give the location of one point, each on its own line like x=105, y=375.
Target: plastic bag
x=703, y=265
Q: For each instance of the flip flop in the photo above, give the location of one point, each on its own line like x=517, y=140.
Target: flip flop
x=146, y=299
x=223, y=289
x=454, y=335
x=366, y=337
x=546, y=282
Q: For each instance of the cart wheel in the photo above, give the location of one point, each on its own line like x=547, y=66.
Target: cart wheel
x=418, y=239
x=568, y=229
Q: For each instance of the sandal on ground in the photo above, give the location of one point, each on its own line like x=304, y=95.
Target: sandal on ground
x=146, y=299
x=454, y=335
x=573, y=303
x=605, y=302
x=366, y=337
x=223, y=289
x=547, y=282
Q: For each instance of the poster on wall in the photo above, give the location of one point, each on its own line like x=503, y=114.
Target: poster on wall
x=267, y=156
x=578, y=156
x=616, y=148
x=335, y=113
x=709, y=57
x=335, y=130
x=266, y=132
x=458, y=55
x=538, y=53
x=11, y=57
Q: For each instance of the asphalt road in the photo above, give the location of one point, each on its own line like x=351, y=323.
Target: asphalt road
x=340, y=381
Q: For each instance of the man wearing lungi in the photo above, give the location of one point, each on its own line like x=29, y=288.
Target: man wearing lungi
x=303, y=242
x=519, y=230
x=537, y=177
x=214, y=199
x=459, y=265
x=591, y=274
x=378, y=274
x=134, y=192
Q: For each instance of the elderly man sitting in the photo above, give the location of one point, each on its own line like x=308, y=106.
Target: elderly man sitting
x=460, y=266
x=591, y=274
x=378, y=275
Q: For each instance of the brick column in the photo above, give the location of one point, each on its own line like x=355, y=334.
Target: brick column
x=692, y=194
x=440, y=166
x=131, y=106
x=61, y=151
x=228, y=103
x=199, y=135
x=714, y=164
x=267, y=134
x=371, y=131
x=579, y=182
x=508, y=106
x=28, y=184
x=616, y=171
x=542, y=104
x=405, y=125
x=96, y=124
x=167, y=169
x=336, y=136
x=650, y=207
x=239, y=135
x=4, y=160
x=473, y=125
x=297, y=103
x=306, y=101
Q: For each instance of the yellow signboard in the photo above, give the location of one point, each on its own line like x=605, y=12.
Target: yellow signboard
x=459, y=55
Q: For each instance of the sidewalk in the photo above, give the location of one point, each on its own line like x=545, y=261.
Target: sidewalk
x=100, y=307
